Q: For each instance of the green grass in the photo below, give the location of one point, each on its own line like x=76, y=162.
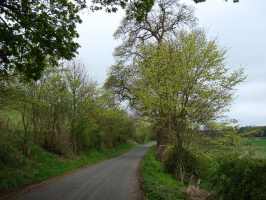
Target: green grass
x=258, y=147
x=156, y=183
x=258, y=142
x=44, y=165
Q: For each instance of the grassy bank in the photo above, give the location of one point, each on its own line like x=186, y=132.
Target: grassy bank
x=156, y=183
x=44, y=165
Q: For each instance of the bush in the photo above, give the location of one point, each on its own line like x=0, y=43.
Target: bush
x=186, y=164
x=237, y=178
x=11, y=152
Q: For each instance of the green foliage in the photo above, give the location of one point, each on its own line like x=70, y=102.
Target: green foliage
x=181, y=163
x=228, y=169
x=178, y=88
x=64, y=112
x=115, y=127
x=240, y=178
x=198, y=81
x=10, y=149
x=137, y=9
x=36, y=34
x=158, y=184
x=60, y=116
x=187, y=165
x=144, y=132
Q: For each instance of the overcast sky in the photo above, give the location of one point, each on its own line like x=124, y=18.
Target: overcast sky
x=240, y=28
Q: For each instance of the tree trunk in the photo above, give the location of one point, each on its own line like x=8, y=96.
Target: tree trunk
x=162, y=138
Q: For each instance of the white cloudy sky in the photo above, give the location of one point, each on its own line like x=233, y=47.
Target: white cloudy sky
x=240, y=28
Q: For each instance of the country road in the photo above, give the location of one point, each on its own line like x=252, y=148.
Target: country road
x=114, y=179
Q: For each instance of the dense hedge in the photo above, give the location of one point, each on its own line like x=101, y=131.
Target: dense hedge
x=240, y=179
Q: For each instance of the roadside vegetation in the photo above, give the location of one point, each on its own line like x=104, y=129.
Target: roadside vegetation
x=231, y=170
x=157, y=184
x=43, y=165
x=58, y=123
x=220, y=171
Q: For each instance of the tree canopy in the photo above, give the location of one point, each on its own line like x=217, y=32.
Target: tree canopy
x=162, y=22
x=179, y=85
x=35, y=34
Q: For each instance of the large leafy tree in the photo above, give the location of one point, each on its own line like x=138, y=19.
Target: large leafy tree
x=35, y=34
x=179, y=85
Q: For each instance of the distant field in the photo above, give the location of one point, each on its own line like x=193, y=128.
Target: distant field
x=252, y=146
x=258, y=145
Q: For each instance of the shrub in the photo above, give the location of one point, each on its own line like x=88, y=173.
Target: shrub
x=182, y=163
x=240, y=178
x=188, y=164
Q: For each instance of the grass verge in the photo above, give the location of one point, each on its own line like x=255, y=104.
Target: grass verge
x=44, y=165
x=156, y=183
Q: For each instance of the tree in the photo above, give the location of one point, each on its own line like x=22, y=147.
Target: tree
x=161, y=23
x=35, y=34
x=81, y=92
x=181, y=84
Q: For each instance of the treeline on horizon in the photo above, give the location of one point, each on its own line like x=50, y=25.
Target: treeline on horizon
x=252, y=131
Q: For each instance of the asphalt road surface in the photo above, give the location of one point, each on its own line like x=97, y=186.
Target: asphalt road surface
x=114, y=179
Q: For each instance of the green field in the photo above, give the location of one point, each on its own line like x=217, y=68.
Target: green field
x=257, y=146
